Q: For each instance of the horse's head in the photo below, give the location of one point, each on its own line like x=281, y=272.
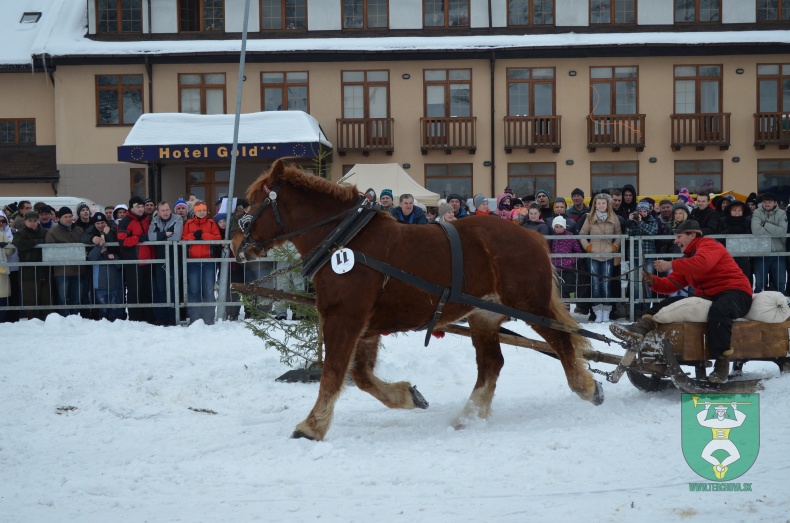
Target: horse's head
x=262, y=222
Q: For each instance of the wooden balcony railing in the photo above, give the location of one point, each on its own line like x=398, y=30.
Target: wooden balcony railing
x=448, y=133
x=616, y=131
x=700, y=130
x=772, y=129
x=365, y=135
x=532, y=133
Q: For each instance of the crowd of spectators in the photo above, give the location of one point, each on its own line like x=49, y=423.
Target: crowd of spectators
x=129, y=290
x=122, y=232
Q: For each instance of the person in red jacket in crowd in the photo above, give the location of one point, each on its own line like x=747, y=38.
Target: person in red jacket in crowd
x=709, y=269
x=201, y=275
x=132, y=232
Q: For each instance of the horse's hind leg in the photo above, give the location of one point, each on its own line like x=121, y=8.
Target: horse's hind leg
x=485, y=338
x=580, y=379
x=399, y=395
x=340, y=338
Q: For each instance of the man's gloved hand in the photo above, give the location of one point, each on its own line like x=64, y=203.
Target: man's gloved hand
x=198, y=235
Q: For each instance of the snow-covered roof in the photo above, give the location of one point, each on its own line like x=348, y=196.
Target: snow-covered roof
x=61, y=32
x=178, y=136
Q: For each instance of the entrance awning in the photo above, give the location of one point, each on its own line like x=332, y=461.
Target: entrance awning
x=177, y=137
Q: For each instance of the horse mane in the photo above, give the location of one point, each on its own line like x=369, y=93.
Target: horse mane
x=295, y=177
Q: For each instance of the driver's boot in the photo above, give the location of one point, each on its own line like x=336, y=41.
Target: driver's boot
x=721, y=369
x=635, y=331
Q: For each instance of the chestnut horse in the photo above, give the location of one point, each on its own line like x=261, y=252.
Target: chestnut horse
x=502, y=262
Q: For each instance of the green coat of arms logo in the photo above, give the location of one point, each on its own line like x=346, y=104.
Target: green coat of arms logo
x=720, y=434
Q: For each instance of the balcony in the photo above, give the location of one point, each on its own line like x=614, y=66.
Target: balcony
x=365, y=135
x=700, y=130
x=533, y=133
x=447, y=134
x=616, y=131
x=772, y=129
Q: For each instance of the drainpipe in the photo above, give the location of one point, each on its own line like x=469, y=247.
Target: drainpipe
x=493, y=115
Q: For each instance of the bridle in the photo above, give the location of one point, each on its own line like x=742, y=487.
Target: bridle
x=246, y=222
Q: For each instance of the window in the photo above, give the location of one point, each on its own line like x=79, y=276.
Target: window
x=208, y=184
x=697, y=11
x=446, y=179
x=774, y=176
x=201, y=15
x=773, y=10
x=530, y=12
x=699, y=176
x=773, y=88
x=119, y=99
x=138, y=182
x=278, y=15
x=607, y=176
x=445, y=13
x=527, y=178
x=17, y=131
x=201, y=93
x=285, y=91
x=530, y=91
x=448, y=93
x=612, y=11
x=365, y=14
x=119, y=16
x=614, y=90
x=365, y=94
x=697, y=89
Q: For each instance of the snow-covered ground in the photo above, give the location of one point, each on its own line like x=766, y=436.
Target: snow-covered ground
x=97, y=424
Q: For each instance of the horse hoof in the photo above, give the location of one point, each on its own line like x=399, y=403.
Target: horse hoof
x=299, y=434
x=419, y=400
x=598, y=397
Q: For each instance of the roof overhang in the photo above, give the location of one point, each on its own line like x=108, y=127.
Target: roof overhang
x=176, y=137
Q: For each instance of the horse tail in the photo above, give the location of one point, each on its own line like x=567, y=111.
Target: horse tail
x=561, y=314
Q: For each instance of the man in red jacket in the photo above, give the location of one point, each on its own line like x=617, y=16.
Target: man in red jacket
x=132, y=232
x=710, y=270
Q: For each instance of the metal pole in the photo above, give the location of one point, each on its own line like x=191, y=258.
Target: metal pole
x=224, y=272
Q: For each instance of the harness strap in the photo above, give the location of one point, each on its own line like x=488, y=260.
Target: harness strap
x=479, y=303
x=348, y=228
x=453, y=293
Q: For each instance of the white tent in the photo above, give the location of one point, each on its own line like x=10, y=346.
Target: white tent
x=380, y=176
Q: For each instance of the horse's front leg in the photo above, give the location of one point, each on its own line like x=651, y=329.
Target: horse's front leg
x=341, y=335
x=399, y=395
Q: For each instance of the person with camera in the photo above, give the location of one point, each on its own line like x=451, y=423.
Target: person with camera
x=641, y=224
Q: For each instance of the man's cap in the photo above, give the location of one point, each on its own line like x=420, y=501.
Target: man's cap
x=454, y=196
x=386, y=192
x=31, y=215
x=63, y=211
x=544, y=191
x=135, y=200
x=148, y=200
x=99, y=217
x=46, y=208
x=689, y=226
x=577, y=191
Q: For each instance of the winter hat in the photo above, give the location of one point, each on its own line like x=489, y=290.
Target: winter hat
x=13, y=207
x=117, y=207
x=81, y=206
x=544, y=191
x=31, y=215
x=683, y=198
x=220, y=216
x=643, y=205
x=509, y=191
x=517, y=201
x=730, y=197
x=454, y=196
x=680, y=205
x=737, y=203
x=135, y=200
x=559, y=220
x=689, y=226
x=577, y=191
x=479, y=200
x=560, y=199
x=386, y=192
x=148, y=200
x=528, y=198
x=180, y=201
x=444, y=209
x=200, y=206
x=505, y=202
x=99, y=217
x=63, y=211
